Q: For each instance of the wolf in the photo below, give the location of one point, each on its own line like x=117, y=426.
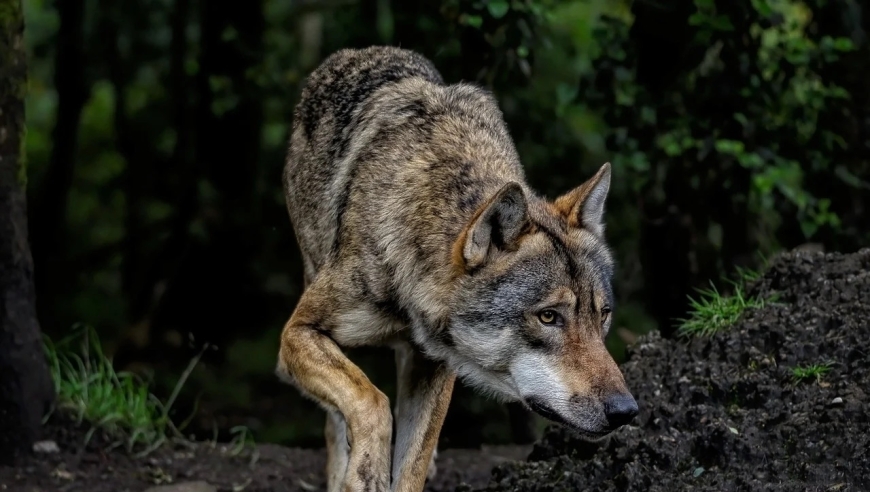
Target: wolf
x=418, y=231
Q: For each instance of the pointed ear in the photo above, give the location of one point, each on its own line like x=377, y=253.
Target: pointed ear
x=498, y=223
x=584, y=206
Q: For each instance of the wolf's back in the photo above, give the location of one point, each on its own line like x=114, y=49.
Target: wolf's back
x=317, y=171
x=348, y=77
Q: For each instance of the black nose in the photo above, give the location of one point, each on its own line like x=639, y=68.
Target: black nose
x=620, y=408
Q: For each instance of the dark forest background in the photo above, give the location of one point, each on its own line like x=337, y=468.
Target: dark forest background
x=156, y=133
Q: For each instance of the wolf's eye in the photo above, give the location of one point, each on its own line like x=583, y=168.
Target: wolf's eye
x=605, y=314
x=548, y=316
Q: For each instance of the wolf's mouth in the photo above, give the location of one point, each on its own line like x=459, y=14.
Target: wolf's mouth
x=545, y=411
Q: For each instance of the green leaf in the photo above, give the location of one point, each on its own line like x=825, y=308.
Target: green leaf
x=714, y=22
x=471, y=20
x=751, y=161
x=498, y=8
x=762, y=7
x=565, y=93
x=843, y=44
x=763, y=183
x=809, y=228
x=849, y=178
x=730, y=147
x=522, y=51
x=722, y=23
x=696, y=19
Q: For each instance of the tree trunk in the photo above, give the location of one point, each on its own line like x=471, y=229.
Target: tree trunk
x=25, y=386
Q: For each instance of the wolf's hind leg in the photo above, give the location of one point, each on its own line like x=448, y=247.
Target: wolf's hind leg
x=313, y=362
x=337, y=451
x=424, y=391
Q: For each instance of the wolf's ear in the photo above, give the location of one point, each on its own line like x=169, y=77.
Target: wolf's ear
x=498, y=223
x=584, y=205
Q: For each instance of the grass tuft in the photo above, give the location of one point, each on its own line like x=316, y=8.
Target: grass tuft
x=806, y=373
x=712, y=312
x=118, y=403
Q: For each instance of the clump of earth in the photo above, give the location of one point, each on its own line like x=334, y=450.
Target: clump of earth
x=726, y=412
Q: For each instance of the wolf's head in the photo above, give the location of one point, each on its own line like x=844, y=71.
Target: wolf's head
x=534, y=304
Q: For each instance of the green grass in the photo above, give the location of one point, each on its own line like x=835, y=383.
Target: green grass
x=800, y=374
x=712, y=312
x=118, y=403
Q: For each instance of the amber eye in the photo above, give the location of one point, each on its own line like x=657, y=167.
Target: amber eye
x=605, y=314
x=548, y=316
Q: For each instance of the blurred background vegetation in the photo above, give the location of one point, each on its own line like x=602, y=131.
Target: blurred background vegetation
x=157, y=131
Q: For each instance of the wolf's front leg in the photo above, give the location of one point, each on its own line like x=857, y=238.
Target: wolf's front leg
x=424, y=391
x=337, y=450
x=314, y=363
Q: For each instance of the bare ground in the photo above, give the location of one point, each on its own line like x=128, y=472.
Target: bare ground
x=268, y=468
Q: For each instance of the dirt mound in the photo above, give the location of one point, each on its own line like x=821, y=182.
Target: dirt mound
x=725, y=413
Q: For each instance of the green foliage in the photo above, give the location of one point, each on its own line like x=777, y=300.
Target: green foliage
x=513, y=21
x=741, y=117
x=119, y=404
x=806, y=373
x=712, y=312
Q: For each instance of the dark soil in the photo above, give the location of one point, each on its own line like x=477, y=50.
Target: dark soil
x=724, y=414
x=271, y=468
